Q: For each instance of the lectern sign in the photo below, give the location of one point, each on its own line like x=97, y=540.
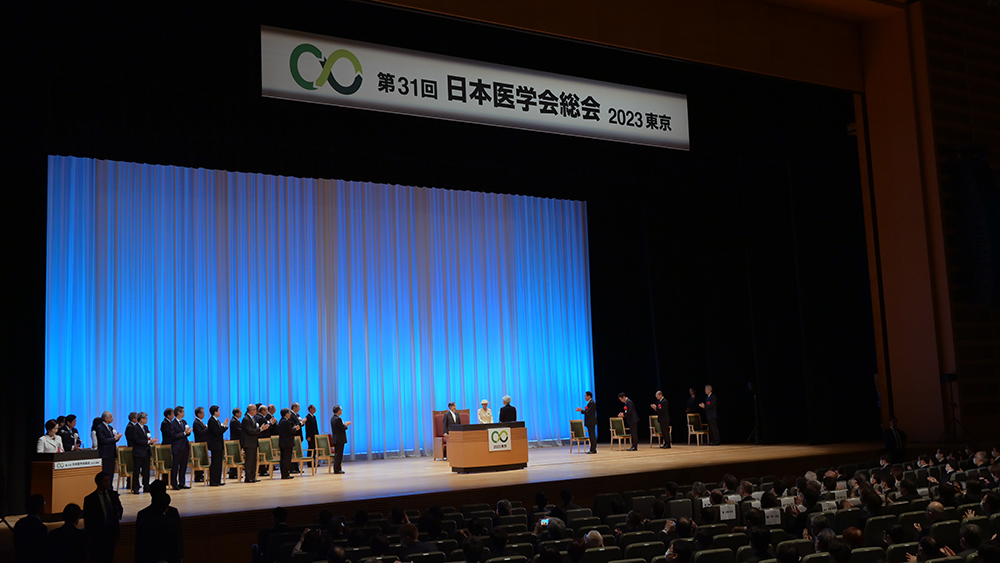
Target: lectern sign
x=76, y=463
x=500, y=439
x=341, y=72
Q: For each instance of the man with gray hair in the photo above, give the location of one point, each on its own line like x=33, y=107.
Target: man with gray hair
x=107, y=439
x=594, y=539
x=507, y=412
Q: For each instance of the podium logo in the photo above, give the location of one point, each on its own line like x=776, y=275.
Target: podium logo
x=325, y=75
x=499, y=439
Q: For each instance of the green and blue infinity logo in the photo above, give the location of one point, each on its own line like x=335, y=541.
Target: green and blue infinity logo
x=327, y=64
x=499, y=436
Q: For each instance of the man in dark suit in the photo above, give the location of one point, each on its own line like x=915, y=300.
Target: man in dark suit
x=200, y=436
x=107, y=438
x=662, y=410
x=297, y=421
x=692, y=404
x=102, y=511
x=590, y=420
x=67, y=543
x=264, y=418
x=409, y=539
x=312, y=426
x=895, y=442
x=711, y=406
x=158, y=529
x=69, y=434
x=30, y=533
x=631, y=417
x=176, y=430
x=338, y=428
x=236, y=433
x=451, y=418
x=507, y=412
x=250, y=435
x=216, y=446
x=139, y=439
x=286, y=441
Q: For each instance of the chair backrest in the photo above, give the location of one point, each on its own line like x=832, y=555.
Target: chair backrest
x=438, y=420
x=644, y=505
x=233, y=449
x=897, y=551
x=947, y=533
x=680, y=508
x=713, y=556
x=875, y=528
x=275, y=443
x=654, y=423
x=164, y=454
x=264, y=446
x=694, y=421
x=430, y=557
x=617, y=426
x=804, y=547
x=732, y=541
x=822, y=557
x=602, y=554
x=644, y=550
x=955, y=559
x=743, y=553
x=297, y=448
x=576, y=427
x=635, y=537
x=322, y=442
x=199, y=451
x=508, y=559
x=867, y=555
x=125, y=456
x=908, y=519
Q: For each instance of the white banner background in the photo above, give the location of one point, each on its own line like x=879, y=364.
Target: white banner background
x=624, y=113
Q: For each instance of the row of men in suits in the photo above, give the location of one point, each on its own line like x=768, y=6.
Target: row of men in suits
x=255, y=424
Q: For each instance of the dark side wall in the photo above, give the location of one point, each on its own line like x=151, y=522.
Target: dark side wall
x=740, y=261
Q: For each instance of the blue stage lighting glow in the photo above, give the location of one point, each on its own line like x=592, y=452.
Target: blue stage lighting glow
x=169, y=285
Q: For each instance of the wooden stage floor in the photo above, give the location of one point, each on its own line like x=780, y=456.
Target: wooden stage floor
x=388, y=482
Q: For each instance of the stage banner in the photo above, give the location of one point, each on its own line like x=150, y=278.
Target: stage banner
x=500, y=439
x=341, y=72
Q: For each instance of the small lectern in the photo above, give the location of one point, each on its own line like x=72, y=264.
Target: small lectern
x=488, y=447
x=65, y=477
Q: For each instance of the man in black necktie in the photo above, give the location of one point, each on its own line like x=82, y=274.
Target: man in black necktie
x=711, y=406
x=450, y=418
x=216, y=446
x=895, y=442
x=286, y=441
x=107, y=438
x=250, y=435
x=140, y=440
x=102, y=512
x=69, y=434
x=200, y=436
x=338, y=428
x=180, y=449
x=312, y=426
x=296, y=421
x=590, y=420
x=631, y=417
x=663, y=417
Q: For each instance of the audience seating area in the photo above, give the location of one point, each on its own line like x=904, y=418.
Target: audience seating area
x=638, y=526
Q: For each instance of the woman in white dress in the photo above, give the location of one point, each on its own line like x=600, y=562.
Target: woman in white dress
x=50, y=443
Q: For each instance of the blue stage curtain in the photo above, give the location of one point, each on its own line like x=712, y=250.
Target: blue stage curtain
x=170, y=285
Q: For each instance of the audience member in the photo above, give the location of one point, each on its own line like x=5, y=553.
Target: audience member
x=102, y=512
x=158, y=529
x=760, y=541
x=29, y=532
x=971, y=538
x=68, y=543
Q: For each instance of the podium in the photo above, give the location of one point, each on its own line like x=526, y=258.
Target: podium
x=65, y=477
x=488, y=447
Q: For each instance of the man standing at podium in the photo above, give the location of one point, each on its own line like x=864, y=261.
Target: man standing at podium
x=507, y=412
x=590, y=420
